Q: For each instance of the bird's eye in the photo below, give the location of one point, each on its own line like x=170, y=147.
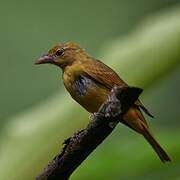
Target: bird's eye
x=60, y=52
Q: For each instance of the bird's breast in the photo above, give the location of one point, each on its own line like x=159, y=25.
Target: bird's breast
x=85, y=91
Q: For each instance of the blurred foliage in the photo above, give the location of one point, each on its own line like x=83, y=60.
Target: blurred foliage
x=160, y=44
x=143, y=56
x=29, y=28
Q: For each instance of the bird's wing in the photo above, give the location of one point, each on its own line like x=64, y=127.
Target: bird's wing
x=106, y=76
x=102, y=74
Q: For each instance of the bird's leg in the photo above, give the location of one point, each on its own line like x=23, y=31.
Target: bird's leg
x=113, y=124
x=95, y=114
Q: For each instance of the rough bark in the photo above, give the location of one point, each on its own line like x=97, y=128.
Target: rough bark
x=79, y=146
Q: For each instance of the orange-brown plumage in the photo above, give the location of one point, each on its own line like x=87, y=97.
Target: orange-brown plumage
x=89, y=82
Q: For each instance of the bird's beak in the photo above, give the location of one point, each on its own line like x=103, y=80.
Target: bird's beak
x=44, y=59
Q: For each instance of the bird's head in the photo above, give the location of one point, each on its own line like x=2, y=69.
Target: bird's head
x=62, y=55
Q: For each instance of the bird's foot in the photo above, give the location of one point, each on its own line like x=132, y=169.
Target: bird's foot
x=95, y=114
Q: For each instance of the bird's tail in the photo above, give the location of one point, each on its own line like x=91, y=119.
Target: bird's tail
x=135, y=120
x=156, y=146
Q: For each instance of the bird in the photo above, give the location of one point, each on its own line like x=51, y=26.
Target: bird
x=89, y=82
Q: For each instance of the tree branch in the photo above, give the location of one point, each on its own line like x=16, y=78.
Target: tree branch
x=82, y=143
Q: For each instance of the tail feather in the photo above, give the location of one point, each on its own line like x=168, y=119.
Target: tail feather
x=156, y=146
x=136, y=121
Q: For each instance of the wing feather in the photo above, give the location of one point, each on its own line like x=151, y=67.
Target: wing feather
x=103, y=74
x=107, y=77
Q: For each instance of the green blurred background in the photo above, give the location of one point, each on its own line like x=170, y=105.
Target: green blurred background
x=140, y=39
